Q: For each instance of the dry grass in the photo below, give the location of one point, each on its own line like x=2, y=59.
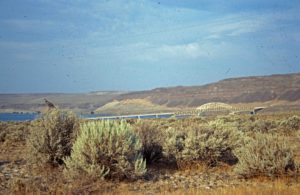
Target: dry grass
x=275, y=189
x=280, y=187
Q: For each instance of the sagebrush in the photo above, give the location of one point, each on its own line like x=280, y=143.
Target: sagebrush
x=51, y=137
x=203, y=143
x=152, y=138
x=265, y=155
x=291, y=124
x=262, y=126
x=14, y=131
x=108, y=149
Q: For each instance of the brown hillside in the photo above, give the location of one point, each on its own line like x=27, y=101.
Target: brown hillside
x=235, y=90
x=275, y=88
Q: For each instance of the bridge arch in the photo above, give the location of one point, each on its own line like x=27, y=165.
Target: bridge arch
x=214, y=106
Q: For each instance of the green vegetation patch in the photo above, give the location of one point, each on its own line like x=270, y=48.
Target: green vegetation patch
x=108, y=149
x=265, y=155
x=207, y=143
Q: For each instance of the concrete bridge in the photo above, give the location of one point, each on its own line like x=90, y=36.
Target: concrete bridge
x=220, y=107
x=138, y=116
x=214, y=107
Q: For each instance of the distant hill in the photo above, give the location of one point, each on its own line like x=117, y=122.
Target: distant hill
x=284, y=87
x=277, y=89
x=132, y=106
x=80, y=102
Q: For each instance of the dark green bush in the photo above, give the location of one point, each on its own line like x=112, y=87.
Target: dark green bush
x=51, y=137
x=152, y=138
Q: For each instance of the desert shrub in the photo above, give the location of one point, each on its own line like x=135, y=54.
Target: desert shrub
x=51, y=137
x=152, y=138
x=106, y=149
x=131, y=121
x=207, y=143
x=262, y=126
x=227, y=119
x=3, y=131
x=194, y=120
x=297, y=145
x=14, y=131
x=174, y=144
x=19, y=131
x=229, y=122
x=265, y=155
x=291, y=124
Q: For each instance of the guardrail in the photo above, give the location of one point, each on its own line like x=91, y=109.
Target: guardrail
x=152, y=115
x=183, y=113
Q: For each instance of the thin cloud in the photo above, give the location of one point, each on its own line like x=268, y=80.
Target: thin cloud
x=154, y=53
x=97, y=35
x=29, y=25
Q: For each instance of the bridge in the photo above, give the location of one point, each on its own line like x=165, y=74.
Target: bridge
x=220, y=107
x=213, y=107
x=133, y=116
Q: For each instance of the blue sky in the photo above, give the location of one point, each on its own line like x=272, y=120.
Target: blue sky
x=97, y=45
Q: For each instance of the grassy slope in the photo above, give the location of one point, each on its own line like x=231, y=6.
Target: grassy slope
x=133, y=106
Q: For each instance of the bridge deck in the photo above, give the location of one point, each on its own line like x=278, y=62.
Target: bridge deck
x=179, y=114
x=155, y=115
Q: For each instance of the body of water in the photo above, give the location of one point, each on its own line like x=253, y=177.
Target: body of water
x=18, y=116
x=32, y=116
